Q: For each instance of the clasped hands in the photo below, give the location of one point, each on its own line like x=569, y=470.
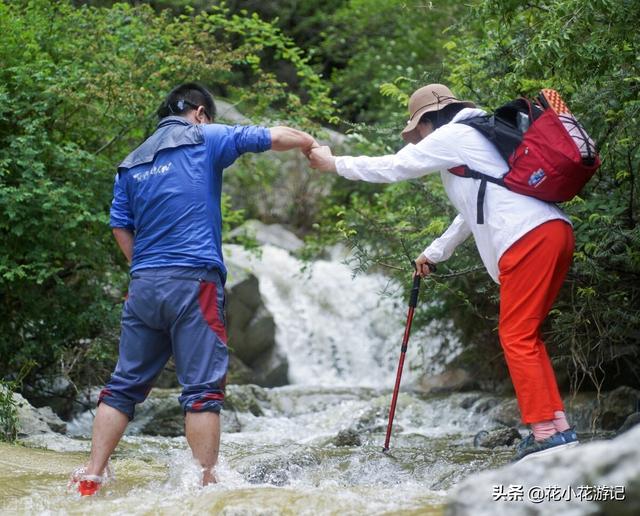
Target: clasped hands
x=320, y=157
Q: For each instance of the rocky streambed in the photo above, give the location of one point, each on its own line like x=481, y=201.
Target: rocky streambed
x=318, y=450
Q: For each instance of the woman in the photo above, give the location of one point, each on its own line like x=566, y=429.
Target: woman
x=525, y=244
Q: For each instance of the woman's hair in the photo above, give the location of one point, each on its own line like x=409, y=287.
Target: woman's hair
x=186, y=97
x=442, y=116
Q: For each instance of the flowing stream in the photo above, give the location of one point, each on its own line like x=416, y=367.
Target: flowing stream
x=341, y=336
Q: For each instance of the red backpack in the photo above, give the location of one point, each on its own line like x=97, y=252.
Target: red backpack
x=550, y=155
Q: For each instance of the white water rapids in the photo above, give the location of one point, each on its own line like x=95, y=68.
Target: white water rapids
x=337, y=329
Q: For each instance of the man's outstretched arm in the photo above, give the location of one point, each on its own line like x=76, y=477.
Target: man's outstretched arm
x=286, y=138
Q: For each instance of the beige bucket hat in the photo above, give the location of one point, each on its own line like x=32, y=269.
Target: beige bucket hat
x=432, y=97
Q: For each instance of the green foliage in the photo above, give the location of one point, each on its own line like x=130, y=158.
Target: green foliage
x=78, y=90
x=8, y=414
x=371, y=42
x=358, y=45
x=260, y=43
x=9, y=422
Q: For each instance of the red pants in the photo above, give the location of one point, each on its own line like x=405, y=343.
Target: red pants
x=531, y=273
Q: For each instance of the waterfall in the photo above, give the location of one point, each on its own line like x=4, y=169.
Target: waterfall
x=336, y=329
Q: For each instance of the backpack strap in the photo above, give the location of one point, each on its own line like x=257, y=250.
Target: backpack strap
x=465, y=171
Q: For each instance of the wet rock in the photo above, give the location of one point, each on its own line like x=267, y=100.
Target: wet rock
x=162, y=415
x=244, y=304
x=451, y=380
x=468, y=401
x=34, y=421
x=374, y=419
x=586, y=414
x=252, y=331
x=271, y=369
x=630, y=422
x=246, y=398
x=168, y=378
x=494, y=438
x=259, y=337
x=617, y=405
x=506, y=412
x=229, y=422
x=347, y=438
x=582, y=480
x=484, y=405
x=239, y=373
x=167, y=421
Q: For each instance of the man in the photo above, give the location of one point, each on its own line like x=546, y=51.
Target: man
x=525, y=244
x=166, y=219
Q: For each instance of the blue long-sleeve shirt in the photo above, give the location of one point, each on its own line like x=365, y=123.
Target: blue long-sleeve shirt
x=168, y=192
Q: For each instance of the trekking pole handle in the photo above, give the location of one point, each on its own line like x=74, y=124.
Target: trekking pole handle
x=415, y=289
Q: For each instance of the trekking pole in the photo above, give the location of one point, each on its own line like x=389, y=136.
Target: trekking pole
x=413, y=301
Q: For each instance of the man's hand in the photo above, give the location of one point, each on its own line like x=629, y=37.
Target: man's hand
x=321, y=158
x=422, y=264
x=286, y=138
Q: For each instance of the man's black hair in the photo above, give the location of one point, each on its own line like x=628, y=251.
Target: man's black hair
x=186, y=97
x=442, y=116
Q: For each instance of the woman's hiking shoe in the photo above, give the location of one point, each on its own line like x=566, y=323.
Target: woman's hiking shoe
x=530, y=448
x=570, y=436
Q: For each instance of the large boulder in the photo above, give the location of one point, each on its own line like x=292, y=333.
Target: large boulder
x=617, y=406
x=162, y=415
x=269, y=234
x=630, y=422
x=252, y=332
x=450, y=380
x=34, y=421
x=239, y=372
x=506, y=412
x=601, y=477
x=56, y=392
x=271, y=368
x=586, y=412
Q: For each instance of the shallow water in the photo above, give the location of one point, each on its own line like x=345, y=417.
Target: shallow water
x=283, y=462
